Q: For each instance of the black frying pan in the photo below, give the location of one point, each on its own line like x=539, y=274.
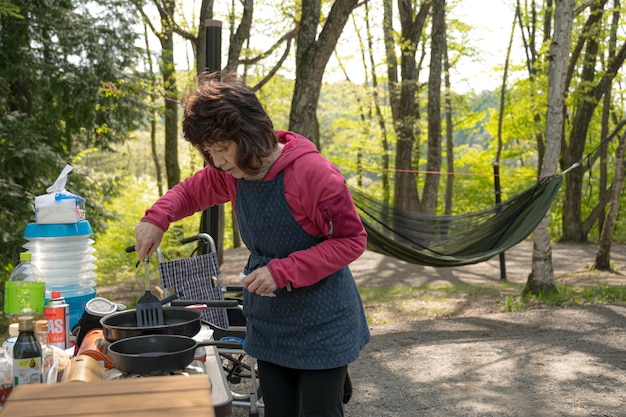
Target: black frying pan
x=157, y=353
x=177, y=321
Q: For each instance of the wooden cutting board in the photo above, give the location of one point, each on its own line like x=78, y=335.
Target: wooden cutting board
x=176, y=395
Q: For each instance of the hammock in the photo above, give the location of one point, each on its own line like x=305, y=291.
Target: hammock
x=444, y=241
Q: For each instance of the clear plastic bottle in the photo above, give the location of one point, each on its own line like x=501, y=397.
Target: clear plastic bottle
x=24, y=292
x=48, y=364
x=27, y=354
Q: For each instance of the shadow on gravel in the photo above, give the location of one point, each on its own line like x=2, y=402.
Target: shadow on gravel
x=537, y=363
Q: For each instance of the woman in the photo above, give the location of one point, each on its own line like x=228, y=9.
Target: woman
x=305, y=320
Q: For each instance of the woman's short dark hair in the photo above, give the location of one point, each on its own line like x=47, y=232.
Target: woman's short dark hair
x=227, y=110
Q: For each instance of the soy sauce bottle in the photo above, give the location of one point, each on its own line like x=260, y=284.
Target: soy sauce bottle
x=27, y=359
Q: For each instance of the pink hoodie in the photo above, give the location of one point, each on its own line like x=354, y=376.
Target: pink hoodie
x=316, y=193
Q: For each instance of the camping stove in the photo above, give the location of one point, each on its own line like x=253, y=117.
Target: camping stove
x=194, y=368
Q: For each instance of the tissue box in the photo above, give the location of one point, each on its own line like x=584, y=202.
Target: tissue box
x=58, y=208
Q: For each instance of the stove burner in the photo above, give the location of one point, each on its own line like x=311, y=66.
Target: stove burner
x=196, y=367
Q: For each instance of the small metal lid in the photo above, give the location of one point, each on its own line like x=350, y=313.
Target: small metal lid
x=41, y=326
x=26, y=323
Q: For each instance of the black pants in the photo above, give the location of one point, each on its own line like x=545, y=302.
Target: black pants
x=302, y=393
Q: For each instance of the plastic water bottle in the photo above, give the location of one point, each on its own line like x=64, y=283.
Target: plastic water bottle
x=24, y=292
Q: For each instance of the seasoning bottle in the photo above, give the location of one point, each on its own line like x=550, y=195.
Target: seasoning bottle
x=48, y=363
x=27, y=354
x=24, y=292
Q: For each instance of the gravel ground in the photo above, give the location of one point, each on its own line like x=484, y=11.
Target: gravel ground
x=556, y=362
x=548, y=362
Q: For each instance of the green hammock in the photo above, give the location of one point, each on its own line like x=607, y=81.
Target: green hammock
x=465, y=239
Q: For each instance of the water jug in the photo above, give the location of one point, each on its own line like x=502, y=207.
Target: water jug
x=64, y=255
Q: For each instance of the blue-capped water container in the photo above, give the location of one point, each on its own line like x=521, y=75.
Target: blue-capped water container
x=64, y=255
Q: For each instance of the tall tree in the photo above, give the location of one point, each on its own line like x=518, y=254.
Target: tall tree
x=403, y=93
x=596, y=80
x=529, y=23
x=433, y=158
x=164, y=31
x=312, y=55
x=541, y=278
x=603, y=256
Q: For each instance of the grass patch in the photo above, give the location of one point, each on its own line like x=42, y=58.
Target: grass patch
x=404, y=303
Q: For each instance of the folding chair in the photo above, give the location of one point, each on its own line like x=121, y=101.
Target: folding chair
x=198, y=279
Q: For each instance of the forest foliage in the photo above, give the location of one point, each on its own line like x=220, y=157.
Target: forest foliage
x=75, y=88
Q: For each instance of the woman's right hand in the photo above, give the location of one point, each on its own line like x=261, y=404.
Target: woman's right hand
x=147, y=239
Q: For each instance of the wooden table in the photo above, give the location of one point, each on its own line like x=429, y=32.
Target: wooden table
x=177, y=395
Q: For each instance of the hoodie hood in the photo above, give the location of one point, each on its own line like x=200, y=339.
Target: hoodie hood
x=294, y=147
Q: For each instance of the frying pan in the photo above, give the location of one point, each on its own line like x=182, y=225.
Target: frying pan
x=177, y=320
x=160, y=353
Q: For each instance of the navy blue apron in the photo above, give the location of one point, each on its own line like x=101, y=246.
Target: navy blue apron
x=321, y=326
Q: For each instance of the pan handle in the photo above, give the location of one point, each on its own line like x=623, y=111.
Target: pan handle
x=171, y=298
x=208, y=303
x=224, y=344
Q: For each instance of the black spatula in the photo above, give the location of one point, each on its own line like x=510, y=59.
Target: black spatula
x=149, y=309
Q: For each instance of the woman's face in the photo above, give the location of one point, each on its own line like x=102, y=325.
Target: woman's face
x=224, y=156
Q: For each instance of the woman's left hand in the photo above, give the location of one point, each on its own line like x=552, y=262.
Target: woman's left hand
x=260, y=281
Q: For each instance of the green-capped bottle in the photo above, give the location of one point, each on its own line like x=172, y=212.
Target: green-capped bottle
x=24, y=292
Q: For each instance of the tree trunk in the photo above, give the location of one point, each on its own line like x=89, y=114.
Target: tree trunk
x=312, y=55
x=603, y=257
x=379, y=114
x=541, y=278
x=592, y=88
x=449, y=136
x=240, y=36
x=433, y=159
x=171, y=108
x=206, y=13
x=153, y=116
x=403, y=96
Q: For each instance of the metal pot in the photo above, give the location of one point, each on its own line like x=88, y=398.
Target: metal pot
x=157, y=353
x=177, y=321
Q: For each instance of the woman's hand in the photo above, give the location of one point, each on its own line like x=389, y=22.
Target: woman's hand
x=260, y=282
x=147, y=239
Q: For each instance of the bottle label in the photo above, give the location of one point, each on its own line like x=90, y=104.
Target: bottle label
x=22, y=297
x=58, y=325
x=27, y=371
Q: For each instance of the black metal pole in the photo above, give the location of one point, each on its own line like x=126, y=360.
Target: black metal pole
x=496, y=181
x=213, y=47
x=209, y=222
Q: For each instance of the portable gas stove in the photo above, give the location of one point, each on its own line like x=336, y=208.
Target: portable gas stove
x=221, y=396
